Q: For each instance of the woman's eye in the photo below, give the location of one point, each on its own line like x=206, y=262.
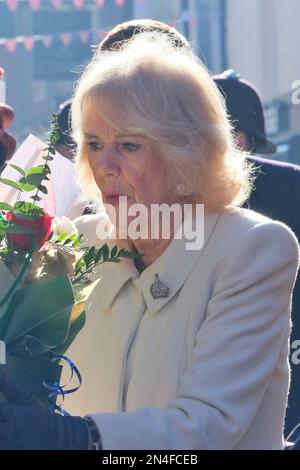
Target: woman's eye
x=130, y=146
x=94, y=146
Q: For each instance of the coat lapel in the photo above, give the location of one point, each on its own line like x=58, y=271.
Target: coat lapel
x=174, y=266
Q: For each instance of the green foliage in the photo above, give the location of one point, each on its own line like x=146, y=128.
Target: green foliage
x=65, y=239
x=5, y=207
x=11, y=183
x=93, y=257
x=27, y=209
x=18, y=168
x=31, y=181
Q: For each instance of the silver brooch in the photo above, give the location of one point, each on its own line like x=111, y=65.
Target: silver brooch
x=159, y=289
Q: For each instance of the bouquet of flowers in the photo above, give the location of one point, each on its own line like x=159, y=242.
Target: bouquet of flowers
x=44, y=281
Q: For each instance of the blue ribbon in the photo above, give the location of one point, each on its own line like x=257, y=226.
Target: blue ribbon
x=58, y=390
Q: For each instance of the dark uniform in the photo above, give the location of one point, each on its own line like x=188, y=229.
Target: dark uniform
x=276, y=195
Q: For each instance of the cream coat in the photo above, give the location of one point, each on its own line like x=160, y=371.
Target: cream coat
x=205, y=368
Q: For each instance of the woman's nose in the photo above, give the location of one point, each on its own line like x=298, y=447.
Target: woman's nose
x=108, y=163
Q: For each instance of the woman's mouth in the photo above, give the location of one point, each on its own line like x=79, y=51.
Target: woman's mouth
x=113, y=198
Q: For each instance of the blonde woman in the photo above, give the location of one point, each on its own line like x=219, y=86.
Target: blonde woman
x=187, y=348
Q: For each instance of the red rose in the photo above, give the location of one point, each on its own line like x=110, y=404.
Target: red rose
x=40, y=229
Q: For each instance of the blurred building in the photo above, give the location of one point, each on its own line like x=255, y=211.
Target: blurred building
x=258, y=38
x=262, y=38
x=201, y=21
x=38, y=80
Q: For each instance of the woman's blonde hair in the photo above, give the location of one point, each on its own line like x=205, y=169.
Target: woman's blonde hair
x=153, y=88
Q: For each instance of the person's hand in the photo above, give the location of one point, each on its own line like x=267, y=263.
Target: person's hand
x=26, y=423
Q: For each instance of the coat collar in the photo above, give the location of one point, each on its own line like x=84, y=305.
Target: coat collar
x=173, y=267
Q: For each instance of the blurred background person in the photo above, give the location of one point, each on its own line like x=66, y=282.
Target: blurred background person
x=65, y=145
x=7, y=140
x=2, y=158
x=277, y=184
x=276, y=190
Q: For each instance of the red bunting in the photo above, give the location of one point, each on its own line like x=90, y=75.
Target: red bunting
x=47, y=41
x=78, y=4
x=66, y=39
x=57, y=4
x=11, y=46
x=29, y=43
x=34, y=4
x=12, y=4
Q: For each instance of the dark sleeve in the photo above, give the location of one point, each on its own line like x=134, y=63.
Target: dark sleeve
x=276, y=192
x=296, y=202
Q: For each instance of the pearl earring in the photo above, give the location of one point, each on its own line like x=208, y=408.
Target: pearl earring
x=180, y=188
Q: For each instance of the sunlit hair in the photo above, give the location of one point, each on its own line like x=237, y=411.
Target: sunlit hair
x=114, y=38
x=152, y=88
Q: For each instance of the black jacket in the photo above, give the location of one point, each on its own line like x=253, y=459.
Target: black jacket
x=277, y=195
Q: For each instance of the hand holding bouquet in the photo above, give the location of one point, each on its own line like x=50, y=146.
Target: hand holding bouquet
x=44, y=280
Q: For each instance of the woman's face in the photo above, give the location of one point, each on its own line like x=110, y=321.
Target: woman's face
x=125, y=165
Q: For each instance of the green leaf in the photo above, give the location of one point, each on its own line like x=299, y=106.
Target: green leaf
x=11, y=183
x=121, y=252
x=29, y=187
x=114, y=251
x=129, y=254
x=67, y=241
x=98, y=255
x=25, y=208
x=35, y=170
x=105, y=251
x=89, y=255
x=61, y=237
x=133, y=255
x=34, y=179
x=79, y=264
x=18, y=168
x=43, y=189
x=5, y=207
x=36, y=198
x=3, y=223
x=47, y=159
